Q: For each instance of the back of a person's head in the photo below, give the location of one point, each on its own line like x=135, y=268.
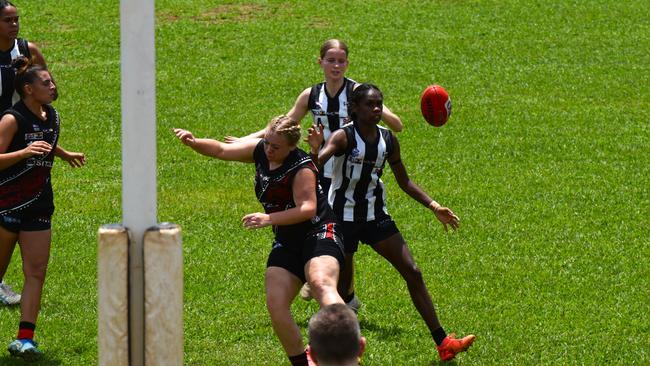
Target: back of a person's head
x=334, y=335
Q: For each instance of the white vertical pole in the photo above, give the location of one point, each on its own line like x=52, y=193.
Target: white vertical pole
x=138, y=149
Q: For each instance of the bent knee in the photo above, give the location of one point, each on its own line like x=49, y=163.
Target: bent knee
x=322, y=285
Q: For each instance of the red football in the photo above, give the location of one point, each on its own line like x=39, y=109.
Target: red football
x=436, y=105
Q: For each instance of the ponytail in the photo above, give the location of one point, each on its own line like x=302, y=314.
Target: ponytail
x=26, y=73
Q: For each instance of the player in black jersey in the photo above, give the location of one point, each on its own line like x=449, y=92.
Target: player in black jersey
x=307, y=246
x=10, y=48
x=29, y=133
x=360, y=151
x=328, y=104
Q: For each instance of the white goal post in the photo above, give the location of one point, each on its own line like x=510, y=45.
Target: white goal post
x=140, y=265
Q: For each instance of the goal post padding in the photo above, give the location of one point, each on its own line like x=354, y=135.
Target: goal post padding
x=113, y=297
x=163, y=295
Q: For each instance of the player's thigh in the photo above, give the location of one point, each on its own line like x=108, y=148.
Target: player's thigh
x=35, y=248
x=323, y=270
x=395, y=250
x=7, y=239
x=281, y=286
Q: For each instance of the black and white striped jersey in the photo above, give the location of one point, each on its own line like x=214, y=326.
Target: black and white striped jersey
x=331, y=112
x=357, y=193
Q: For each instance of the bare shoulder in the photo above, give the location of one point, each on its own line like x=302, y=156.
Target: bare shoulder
x=7, y=120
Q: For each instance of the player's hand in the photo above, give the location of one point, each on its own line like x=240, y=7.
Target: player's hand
x=315, y=137
x=185, y=136
x=75, y=159
x=230, y=139
x=447, y=217
x=37, y=148
x=256, y=220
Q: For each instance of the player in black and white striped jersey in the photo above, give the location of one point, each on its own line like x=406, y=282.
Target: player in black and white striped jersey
x=360, y=151
x=357, y=192
x=10, y=48
x=329, y=110
x=328, y=103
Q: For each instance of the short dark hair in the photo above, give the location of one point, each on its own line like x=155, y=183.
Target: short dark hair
x=360, y=92
x=334, y=334
x=4, y=4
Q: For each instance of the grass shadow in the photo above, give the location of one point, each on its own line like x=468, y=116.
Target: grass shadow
x=45, y=361
x=11, y=308
x=384, y=332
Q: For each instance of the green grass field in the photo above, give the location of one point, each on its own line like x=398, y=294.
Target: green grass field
x=546, y=159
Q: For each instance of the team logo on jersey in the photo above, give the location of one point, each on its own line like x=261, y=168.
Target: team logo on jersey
x=354, y=157
x=36, y=127
x=35, y=162
x=35, y=136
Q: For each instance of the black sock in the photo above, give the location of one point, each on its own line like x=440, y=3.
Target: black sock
x=27, y=325
x=299, y=360
x=439, y=335
x=348, y=297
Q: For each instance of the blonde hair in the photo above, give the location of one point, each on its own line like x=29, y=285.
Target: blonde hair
x=286, y=127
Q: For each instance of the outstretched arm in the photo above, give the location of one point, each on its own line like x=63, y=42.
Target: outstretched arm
x=296, y=113
x=304, y=195
x=37, y=54
x=443, y=214
x=75, y=159
x=238, y=151
x=300, y=107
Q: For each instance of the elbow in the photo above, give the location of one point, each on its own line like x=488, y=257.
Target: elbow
x=309, y=212
x=404, y=186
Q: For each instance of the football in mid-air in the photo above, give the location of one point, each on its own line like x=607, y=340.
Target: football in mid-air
x=436, y=105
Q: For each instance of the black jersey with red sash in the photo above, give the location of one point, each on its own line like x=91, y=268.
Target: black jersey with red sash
x=25, y=186
x=273, y=189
